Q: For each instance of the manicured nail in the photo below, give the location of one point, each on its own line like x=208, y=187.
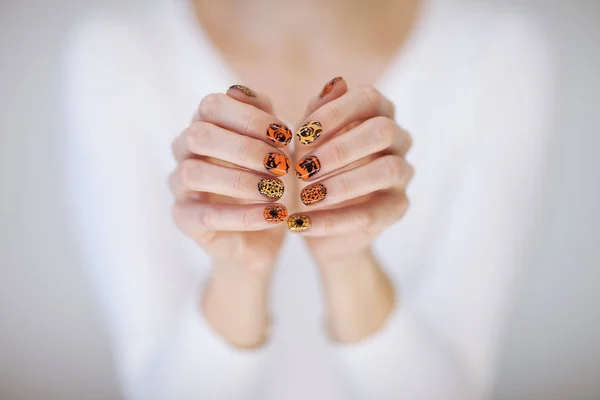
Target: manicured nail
x=247, y=91
x=280, y=134
x=313, y=194
x=298, y=223
x=310, y=131
x=277, y=163
x=272, y=188
x=329, y=86
x=275, y=213
x=307, y=167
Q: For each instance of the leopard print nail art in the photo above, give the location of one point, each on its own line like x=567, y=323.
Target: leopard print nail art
x=313, y=194
x=279, y=134
x=277, y=163
x=272, y=188
x=309, y=132
x=247, y=91
x=307, y=167
x=329, y=86
x=298, y=223
x=275, y=213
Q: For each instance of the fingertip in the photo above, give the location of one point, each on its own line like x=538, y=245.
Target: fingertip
x=336, y=83
x=234, y=89
x=333, y=89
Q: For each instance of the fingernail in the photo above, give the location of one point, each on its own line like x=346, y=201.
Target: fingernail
x=279, y=134
x=298, y=223
x=247, y=91
x=272, y=188
x=277, y=163
x=329, y=86
x=275, y=213
x=313, y=194
x=310, y=131
x=307, y=167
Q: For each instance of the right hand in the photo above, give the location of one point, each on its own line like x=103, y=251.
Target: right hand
x=222, y=156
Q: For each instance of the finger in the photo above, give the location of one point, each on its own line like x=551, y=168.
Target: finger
x=371, y=217
x=359, y=103
x=194, y=175
x=372, y=136
x=206, y=139
x=193, y=217
x=224, y=111
x=382, y=173
x=331, y=91
x=246, y=95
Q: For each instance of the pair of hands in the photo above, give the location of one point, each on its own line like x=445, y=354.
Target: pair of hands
x=229, y=158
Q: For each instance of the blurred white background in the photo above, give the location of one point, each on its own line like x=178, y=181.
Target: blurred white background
x=52, y=345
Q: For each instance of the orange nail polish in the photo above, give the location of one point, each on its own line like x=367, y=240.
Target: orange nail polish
x=277, y=163
x=313, y=194
x=275, y=213
x=329, y=86
x=307, y=167
x=279, y=134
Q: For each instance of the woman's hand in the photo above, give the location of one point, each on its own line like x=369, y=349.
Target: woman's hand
x=356, y=172
x=357, y=177
x=226, y=186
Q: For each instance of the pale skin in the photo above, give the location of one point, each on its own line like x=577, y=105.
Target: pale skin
x=226, y=142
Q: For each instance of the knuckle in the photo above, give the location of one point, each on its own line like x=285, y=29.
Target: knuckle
x=371, y=97
x=403, y=206
x=392, y=167
x=248, y=122
x=208, y=105
x=384, y=131
x=343, y=187
x=245, y=219
x=207, y=218
x=335, y=114
x=194, y=136
x=245, y=152
x=339, y=152
x=237, y=182
x=408, y=141
x=410, y=171
x=187, y=170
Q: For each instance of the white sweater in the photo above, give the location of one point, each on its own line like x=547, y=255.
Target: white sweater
x=473, y=88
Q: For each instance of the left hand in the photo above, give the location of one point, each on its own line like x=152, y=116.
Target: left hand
x=357, y=173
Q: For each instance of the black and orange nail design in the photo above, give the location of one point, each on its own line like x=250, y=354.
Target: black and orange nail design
x=272, y=188
x=309, y=132
x=277, y=163
x=275, y=213
x=329, y=86
x=280, y=134
x=307, y=167
x=313, y=194
x=246, y=90
x=298, y=223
